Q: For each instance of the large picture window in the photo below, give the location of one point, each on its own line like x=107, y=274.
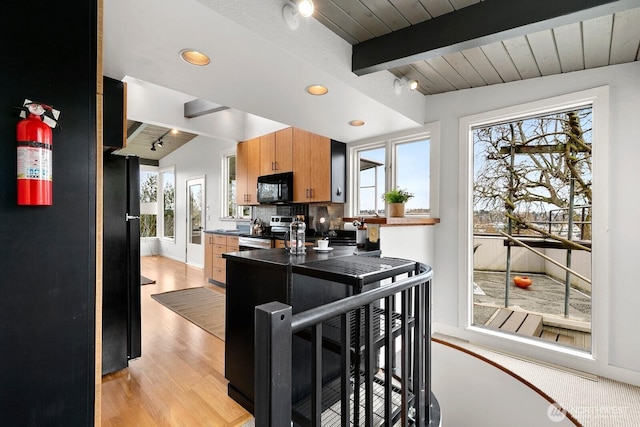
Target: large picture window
x=533, y=190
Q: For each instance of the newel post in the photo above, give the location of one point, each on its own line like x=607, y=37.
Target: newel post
x=272, y=343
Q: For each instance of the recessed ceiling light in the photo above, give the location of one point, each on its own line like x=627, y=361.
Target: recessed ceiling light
x=357, y=122
x=317, y=90
x=194, y=57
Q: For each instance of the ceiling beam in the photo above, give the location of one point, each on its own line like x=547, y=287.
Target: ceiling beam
x=200, y=107
x=480, y=24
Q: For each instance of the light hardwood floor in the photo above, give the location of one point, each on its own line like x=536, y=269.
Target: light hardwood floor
x=179, y=380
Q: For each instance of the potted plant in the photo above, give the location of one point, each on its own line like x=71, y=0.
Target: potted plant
x=395, y=199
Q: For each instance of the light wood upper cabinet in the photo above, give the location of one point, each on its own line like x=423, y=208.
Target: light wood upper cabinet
x=318, y=165
x=311, y=167
x=247, y=171
x=276, y=152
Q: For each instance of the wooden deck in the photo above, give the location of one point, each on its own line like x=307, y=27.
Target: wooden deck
x=523, y=323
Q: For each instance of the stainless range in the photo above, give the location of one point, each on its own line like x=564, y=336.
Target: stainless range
x=278, y=225
x=248, y=242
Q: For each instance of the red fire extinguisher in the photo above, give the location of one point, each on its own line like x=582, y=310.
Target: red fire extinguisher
x=34, y=157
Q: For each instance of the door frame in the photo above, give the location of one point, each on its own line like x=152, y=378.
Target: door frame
x=200, y=251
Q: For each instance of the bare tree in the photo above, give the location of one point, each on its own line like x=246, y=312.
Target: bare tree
x=529, y=168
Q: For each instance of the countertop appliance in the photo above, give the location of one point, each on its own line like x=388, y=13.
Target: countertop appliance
x=276, y=188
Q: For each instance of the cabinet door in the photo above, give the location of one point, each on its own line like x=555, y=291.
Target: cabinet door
x=284, y=150
x=248, y=169
x=253, y=170
x=208, y=256
x=268, y=154
x=276, y=152
x=320, y=169
x=301, y=165
x=114, y=113
x=242, y=164
x=232, y=244
x=311, y=167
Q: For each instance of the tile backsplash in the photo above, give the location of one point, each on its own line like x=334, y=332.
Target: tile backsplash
x=336, y=213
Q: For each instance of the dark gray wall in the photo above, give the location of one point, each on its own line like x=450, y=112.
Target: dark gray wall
x=47, y=258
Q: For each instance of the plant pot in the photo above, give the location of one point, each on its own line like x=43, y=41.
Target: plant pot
x=396, y=210
x=522, y=281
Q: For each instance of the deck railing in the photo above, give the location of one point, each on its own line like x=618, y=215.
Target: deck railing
x=382, y=337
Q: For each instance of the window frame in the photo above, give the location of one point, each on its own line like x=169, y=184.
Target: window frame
x=161, y=224
x=389, y=142
x=598, y=98
x=143, y=208
x=225, y=191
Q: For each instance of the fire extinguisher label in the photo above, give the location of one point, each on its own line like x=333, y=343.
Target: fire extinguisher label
x=34, y=161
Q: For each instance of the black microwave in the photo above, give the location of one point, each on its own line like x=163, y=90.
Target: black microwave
x=277, y=188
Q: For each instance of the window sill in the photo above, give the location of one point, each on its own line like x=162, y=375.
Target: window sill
x=395, y=221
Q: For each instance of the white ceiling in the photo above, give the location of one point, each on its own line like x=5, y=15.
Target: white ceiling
x=260, y=66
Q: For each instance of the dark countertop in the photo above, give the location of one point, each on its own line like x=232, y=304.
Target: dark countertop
x=231, y=232
x=280, y=256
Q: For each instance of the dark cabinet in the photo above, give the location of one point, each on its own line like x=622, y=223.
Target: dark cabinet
x=121, y=313
x=114, y=113
x=338, y=171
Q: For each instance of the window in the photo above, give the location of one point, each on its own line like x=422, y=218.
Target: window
x=399, y=162
x=148, y=201
x=229, y=208
x=371, y=181
x=532, y=183
x=531, y=189
x=412, y=174
x=168, y=182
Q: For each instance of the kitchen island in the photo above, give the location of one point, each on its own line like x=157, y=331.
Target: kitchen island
x=301, y=281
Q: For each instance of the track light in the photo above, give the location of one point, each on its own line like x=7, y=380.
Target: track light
x=160, y=142
x=398, y=84
x=306, y=8
x=153, y=146
x=291, y=12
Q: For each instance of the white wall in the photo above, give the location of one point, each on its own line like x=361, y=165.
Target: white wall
x=617, y=343
x=200, y=156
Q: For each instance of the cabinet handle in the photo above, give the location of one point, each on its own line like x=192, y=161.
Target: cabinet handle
x=273, y=166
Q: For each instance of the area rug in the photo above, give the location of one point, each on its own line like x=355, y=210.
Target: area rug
x=146, y=281
x=201, y=306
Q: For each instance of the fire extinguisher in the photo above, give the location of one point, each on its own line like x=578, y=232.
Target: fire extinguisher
x=34, y=157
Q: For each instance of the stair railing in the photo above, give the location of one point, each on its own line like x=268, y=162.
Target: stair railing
x=404, y=387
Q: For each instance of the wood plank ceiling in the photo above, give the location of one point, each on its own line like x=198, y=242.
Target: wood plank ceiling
x=606, y=39
x=142, y=136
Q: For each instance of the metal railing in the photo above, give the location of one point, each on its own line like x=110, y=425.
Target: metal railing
x=383, y=340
